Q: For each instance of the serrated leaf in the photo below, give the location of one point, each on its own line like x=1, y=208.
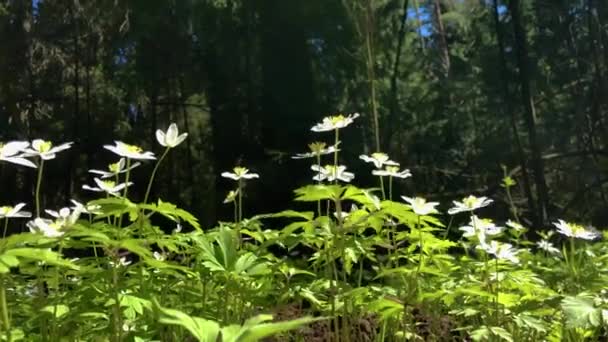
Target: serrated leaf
x=580, y=311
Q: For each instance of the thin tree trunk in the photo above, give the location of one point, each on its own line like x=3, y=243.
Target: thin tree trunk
x=371, y=72
x=394, y=90
x=76, y=114
x=529, y=112
x=419, y=24
x=512, y=116
x=443, y=43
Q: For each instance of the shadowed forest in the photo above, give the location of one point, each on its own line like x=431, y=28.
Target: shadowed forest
x=156, y=183
x=452, y=89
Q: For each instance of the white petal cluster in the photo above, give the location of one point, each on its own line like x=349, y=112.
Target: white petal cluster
x=240, y=173
x=317, y=149
x=107, y=186
x=14, y=212
x=547, y=247
x=379, y=160
x=45, y=149
x=129, y=151
x=332, y=173
x=480, y=229
x=393, y=171
x=335, y=122
x=470, y=203
x=63, y=220
x=576, y=231
x=115, y=169
x=171, y=138
x=502, y=251
x=12, y=152
x=420, y=206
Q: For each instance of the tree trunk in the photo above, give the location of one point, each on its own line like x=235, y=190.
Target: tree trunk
x=443, y=43
x=508, y=108
x=529, y=112
x=394, y=90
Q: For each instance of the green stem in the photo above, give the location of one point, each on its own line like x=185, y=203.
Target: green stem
x=240, y=212
x=382, y=187
x=390, y=188
x=154, y=174
x=336, y=141
x=421, y=251
x=38, y=183
x=319, y=182
x=6, y=323
x=5, y=227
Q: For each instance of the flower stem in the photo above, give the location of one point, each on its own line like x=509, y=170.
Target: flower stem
x=319, y=182
x=154, y=174
x=390, y=188
x=382, y=187
x=38, y=183
x=6, y=323
x=5, y=227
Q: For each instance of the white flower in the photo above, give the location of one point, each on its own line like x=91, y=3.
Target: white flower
x=66, y=217
x=344, y=214
x=10, y=152
x=470, y=203
x=178, y=228
x=231, y=197
x=14, y=212
x=107, y=186
x=159, y=256
x=171, y=138
x=129, y=151
x=515, y=226
x=121, y=262
x=480, y=228
x=331, y=173
x=48, y=228
x=420, y=206
x=331, y=123
x=576, y=231
x=45, y=150
x=87, y=209
x=115, y=169
x=393, y=171
x=379, y=159
x=502, y=251
x=240, y=173
x=547, y=247
x=317, y=149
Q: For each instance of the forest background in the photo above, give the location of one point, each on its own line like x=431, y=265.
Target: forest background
x=455, y=90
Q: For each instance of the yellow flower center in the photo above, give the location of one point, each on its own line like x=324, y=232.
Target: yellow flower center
x=114, y=168
x=576, y=228
x=45, y=146
x=336, y=119
x=392, y=169
x=239, y=171
x=133, y=148
x=109, y=183
x=5, y=210
x=380, y=156
x=317, y=147
x=470, y=201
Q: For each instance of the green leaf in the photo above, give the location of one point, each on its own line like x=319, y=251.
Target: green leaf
x=255, y=330
x=172, y=212
x=580, y=311
x=202, y=329
x=56, y=310
x=313, y=193
x=39, y=254
x=307, y=215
